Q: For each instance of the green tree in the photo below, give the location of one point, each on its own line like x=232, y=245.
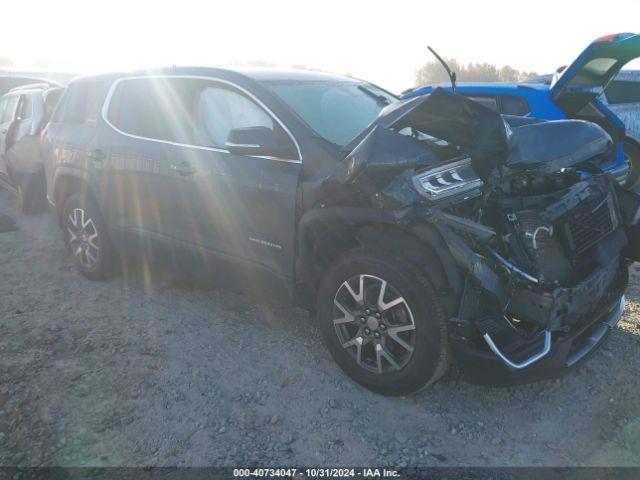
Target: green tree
x=433, y=72
x=480, y=72
x=508, y=74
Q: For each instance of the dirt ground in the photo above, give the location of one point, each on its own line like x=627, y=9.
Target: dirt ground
x=140, y=371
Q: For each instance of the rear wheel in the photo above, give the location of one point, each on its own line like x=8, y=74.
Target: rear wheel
x=86, y=237
x=382, y=323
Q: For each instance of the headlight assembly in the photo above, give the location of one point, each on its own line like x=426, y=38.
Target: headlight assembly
x=451, y=179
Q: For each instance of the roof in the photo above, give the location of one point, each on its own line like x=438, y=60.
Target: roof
x=482, y=87
x=257, y=74
x=291, y=74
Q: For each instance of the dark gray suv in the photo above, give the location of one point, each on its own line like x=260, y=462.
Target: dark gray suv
x=419, y=232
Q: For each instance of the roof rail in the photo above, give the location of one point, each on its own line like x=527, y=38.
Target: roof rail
x=33, y=86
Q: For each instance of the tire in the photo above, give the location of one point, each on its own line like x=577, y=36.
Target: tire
x=411, y=369
x=632, y=152
x=86, y=237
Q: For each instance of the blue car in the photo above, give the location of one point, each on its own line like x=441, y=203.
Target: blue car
x=575, y=93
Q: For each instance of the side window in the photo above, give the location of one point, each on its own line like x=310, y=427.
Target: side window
x=623, y=91
x=219, y=110
x=487, y=101
x=188, y=111
x=81, y=103
x=25, y=108
x=514, y=105
x=8, y=112
x=154, y=108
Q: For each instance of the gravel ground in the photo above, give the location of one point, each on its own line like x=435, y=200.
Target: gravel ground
x=140, y=371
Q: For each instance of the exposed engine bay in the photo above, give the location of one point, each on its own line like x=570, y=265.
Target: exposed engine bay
x=541, y=236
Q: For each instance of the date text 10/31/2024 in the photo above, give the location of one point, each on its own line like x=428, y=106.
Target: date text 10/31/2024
x=316, y=472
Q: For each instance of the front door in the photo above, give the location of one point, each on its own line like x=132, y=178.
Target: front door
x=241, y=208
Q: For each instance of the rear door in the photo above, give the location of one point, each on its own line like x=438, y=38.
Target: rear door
x=22, y=145
x=144, y=131
x=8, y=107
x=23, y=124
x=71, y=133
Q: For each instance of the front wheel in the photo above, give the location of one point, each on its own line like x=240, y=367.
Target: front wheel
x=382, y=323
x=86, y=237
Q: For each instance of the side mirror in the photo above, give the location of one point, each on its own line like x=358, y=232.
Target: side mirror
x=253, y=141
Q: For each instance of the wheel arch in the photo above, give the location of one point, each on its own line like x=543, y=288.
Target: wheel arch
x=66, y=183
x=324, y=235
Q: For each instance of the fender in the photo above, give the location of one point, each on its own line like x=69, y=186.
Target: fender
x=350, y=216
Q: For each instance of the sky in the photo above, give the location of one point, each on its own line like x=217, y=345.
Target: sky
x=383, y=42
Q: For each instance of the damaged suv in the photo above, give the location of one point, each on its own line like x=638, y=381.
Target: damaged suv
x=419, y=232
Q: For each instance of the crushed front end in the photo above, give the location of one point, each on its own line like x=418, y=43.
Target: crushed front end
x=540, y=236
x=552, y=280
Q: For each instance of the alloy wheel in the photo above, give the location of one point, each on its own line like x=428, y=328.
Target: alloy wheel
x=374, y=324
x=83, y=237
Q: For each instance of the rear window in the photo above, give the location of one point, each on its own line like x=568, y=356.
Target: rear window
x=513, y=105
x=81, y=103
x=486, y=101
x=623, y=91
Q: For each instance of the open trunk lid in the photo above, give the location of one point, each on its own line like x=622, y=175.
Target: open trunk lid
x=590, y=73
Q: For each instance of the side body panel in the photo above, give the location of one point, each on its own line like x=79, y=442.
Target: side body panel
x=219, y=214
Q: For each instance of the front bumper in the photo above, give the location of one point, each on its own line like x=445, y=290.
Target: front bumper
x=480, y=365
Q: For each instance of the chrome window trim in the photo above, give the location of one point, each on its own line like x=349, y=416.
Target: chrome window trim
x=114, y=86
x=242, y=145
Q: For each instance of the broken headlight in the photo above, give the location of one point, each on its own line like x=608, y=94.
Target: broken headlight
x=451, y=179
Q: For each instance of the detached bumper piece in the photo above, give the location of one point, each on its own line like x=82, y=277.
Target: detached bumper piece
x=544, y=356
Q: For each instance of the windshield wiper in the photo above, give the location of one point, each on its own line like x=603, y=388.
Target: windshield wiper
x=380, y=99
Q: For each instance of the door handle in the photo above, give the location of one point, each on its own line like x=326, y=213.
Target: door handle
x=96, y=155
x=183, y=169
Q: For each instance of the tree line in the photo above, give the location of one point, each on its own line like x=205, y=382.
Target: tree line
x=433, y=72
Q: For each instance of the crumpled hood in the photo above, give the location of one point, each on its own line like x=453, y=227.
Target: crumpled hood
x=555, y=144
x=494, y=143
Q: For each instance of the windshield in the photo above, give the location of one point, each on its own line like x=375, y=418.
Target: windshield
x=337, y=111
